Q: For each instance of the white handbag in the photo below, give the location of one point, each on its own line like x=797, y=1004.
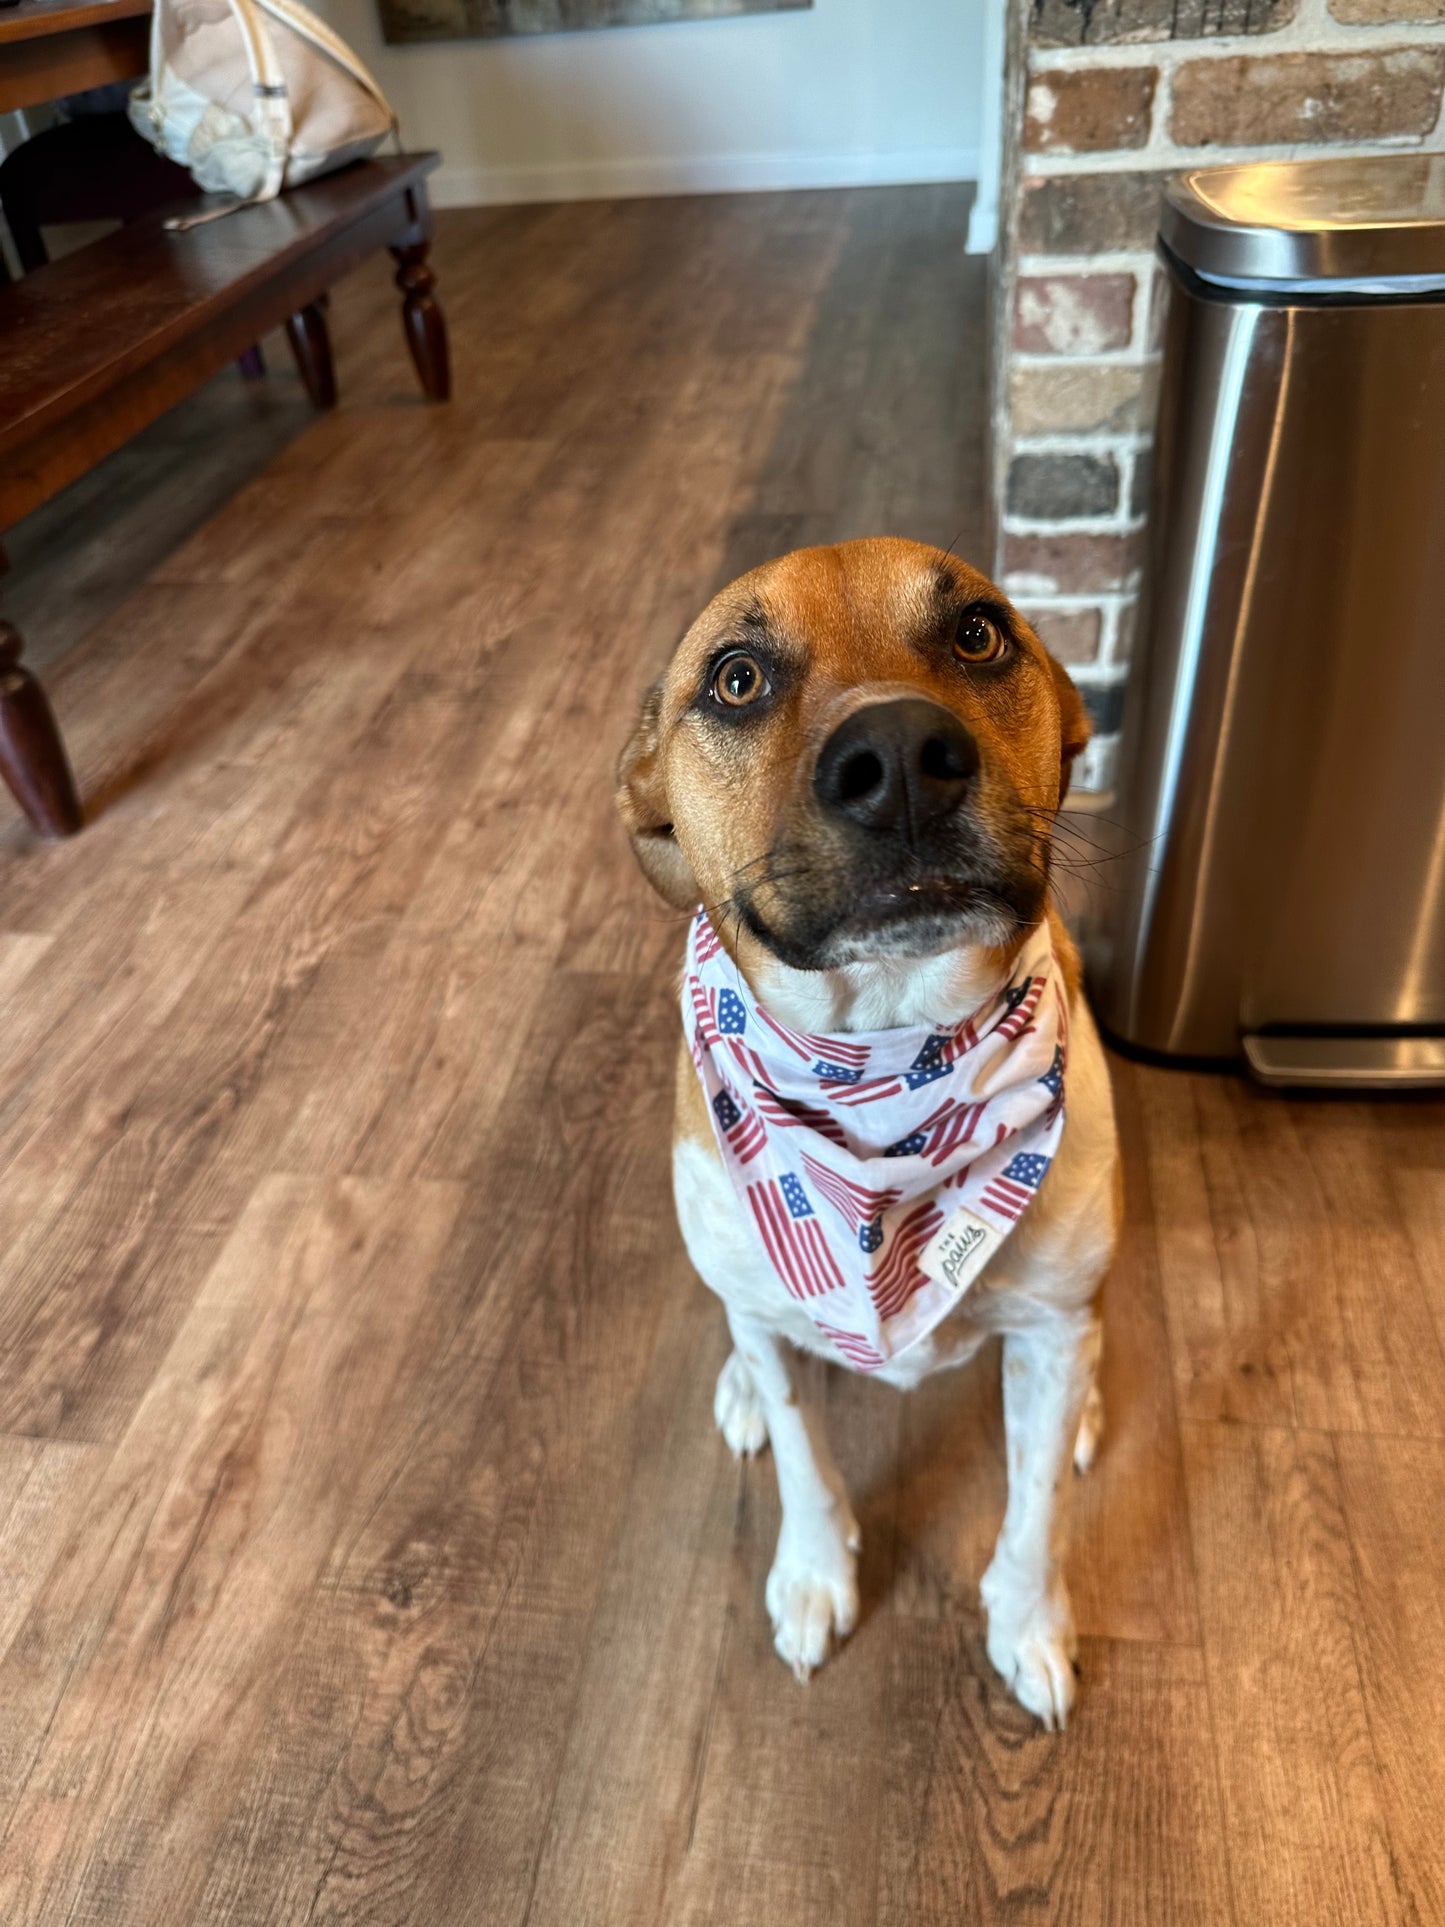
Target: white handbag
x=254, y=95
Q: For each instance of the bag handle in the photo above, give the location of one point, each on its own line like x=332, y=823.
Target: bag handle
x=273, y=102
x=300, y=18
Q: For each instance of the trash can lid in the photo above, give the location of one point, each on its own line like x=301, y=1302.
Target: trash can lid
x=1290, y=223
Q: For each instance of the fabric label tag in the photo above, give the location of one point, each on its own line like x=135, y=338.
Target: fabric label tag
x=956, y=1254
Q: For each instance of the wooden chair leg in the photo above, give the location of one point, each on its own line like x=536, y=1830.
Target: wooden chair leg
x=422, y=319
x=311, y=344
x=32, y=753
x=25, y=233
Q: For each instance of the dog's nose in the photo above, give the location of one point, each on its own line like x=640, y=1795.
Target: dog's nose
x=896, y=765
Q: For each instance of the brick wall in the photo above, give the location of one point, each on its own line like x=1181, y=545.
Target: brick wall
x=1105, y=99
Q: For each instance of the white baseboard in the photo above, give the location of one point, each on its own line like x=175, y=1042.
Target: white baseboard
x=983, y=220
x=615, y=180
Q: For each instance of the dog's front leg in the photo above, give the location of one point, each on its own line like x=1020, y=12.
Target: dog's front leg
x=813, y=1587
x=1047, y=1371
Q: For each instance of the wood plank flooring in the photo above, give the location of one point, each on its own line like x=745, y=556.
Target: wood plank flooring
x=366, y=1550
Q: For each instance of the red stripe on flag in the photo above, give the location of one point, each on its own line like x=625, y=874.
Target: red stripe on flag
x=747, y=1060
x=855, y=1203
x=797, y=1247
x=707, y=1029
x=761, y=1200
x=898, y=1277
x=747, y=1138
x=955, y=1130
x=790, y=1038
x=1007, y=1198
x=867, y=1093
x=831, y=1050
x=798, y=1116
x=854, y=1347
x=826, y=1272
x=1018, y=1021
x=837, y=1050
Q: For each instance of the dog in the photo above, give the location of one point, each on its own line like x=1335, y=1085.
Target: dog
x=850, y=773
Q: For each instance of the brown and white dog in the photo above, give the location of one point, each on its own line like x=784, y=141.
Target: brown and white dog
x=854, y=761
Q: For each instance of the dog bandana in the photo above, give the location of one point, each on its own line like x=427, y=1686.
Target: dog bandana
x=882, y=1169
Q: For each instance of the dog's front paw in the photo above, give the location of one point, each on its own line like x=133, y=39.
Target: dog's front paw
x=1032, y=1643
x=813, y=1589
x=738, y=1409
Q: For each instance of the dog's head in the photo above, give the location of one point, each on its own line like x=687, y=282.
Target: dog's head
x=856, y=752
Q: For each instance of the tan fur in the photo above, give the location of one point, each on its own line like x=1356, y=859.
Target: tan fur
x=706, y=804
x=689, y=1117
x=848, y=615
x=1067, y=952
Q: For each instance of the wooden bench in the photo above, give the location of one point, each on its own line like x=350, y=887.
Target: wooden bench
x=101, y=343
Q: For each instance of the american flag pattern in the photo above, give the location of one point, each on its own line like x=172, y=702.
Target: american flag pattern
x=795, y=1240
x=849, y=1153
x=856, y=1204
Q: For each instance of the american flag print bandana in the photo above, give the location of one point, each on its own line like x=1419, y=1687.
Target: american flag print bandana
x=881, y=1169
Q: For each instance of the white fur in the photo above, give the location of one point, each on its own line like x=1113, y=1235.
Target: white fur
x=1039, y=1291
x=738, y=1410
x=883, y=991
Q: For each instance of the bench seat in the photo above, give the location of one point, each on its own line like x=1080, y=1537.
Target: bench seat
x=97, y=345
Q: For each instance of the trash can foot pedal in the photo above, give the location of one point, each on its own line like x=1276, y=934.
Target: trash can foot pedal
x=1347, y=1063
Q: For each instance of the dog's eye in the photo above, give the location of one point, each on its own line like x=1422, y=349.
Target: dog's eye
x=738, y=680
x=978, y=638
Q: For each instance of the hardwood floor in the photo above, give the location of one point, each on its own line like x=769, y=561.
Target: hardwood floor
x=368, y=1553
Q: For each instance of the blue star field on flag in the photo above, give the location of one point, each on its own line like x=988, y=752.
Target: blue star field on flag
x=1027, y=1167
x=835, y=1073
x=732, y=1016
x=794, y=1196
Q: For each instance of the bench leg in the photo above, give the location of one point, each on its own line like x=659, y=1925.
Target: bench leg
x=32, y=754
x=421, y=317
x=311, y=344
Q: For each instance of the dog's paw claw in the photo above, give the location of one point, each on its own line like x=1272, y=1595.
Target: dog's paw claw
x=1043, y=1681
x=812, y=1599
x=738, y=1410
x=1032, y=1645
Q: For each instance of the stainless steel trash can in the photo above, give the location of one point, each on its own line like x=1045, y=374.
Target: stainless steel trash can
x=1282, y=776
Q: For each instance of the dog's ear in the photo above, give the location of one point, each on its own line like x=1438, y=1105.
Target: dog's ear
x=642, y=805
x=1075, y=729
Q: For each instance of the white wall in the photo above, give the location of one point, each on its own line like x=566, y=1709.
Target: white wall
x=843, y=93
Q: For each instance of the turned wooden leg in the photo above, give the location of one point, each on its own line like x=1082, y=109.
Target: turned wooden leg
x=252, y=363
x=421, y=317
x=311, y=344
x=32, y=755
